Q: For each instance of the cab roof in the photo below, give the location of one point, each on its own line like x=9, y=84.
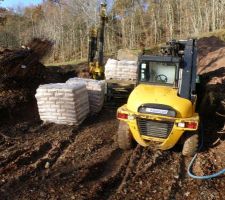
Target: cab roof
x=173, y=59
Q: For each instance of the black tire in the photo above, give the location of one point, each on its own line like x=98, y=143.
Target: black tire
x=124, y=139
x=191, y=144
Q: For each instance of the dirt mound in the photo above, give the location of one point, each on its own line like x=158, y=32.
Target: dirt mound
x=211, y=42
x=21, y=72
x=23, y=64
x=211, y=55
x=40, y=47
x=211, y=68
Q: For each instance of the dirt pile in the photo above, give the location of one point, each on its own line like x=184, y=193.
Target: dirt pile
x=211, y=68
x=211, y=55
x=23, y=65
x=21, y=72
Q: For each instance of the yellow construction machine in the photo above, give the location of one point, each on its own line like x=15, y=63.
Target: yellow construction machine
x=161, y=110
x=96, y=45
x=115, y=89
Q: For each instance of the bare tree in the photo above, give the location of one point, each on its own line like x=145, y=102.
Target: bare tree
x=131, y=23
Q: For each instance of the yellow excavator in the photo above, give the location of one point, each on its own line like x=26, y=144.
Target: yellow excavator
x=161, y=110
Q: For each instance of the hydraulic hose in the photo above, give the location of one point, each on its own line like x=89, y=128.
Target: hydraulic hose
x=190, y=173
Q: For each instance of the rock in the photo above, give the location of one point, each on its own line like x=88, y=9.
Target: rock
x=187, y=194
x=42, y=194
x=47, y=165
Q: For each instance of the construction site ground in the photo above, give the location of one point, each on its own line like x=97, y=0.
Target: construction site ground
x=49, y=161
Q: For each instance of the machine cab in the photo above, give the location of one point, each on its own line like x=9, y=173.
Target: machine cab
x=159, y=70
x=176, y=67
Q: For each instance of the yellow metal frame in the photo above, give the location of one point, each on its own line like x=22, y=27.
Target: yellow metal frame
x=95, y=70
x=168, y=143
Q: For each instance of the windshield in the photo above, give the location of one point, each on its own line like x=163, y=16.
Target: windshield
x=159, y=72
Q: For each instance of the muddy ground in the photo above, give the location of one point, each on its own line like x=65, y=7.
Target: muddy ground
x=47, y=161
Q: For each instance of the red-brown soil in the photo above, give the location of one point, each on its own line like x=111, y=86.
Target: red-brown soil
x=211, y=54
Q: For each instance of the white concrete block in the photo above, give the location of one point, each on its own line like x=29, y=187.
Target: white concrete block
x=96, y=91
x=63, y=103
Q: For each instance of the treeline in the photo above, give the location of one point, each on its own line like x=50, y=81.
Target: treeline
x=131, y=23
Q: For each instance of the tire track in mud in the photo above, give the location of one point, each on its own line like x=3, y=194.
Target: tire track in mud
x=103, y=168
x=25, y=164
x=6, y=145
x=112, y=173
x=34, y=155
x=100, y=171
x=91, y=150
x=18, y=168
x=109, y=178
x=179, y=178
x=38, y=163
x=29, y=167
x=5, y=160
x=101, y=152
x=145, y=175
x=103, y=177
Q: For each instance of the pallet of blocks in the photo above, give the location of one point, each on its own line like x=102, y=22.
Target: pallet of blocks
x=96, y=92
x=121, y=70
x=63, y=103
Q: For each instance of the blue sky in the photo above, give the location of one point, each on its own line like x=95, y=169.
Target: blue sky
x=16, y=3
x=24, y=3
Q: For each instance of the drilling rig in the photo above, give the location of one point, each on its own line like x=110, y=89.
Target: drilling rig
x=96, y=46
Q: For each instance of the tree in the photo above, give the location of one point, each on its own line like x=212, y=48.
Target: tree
x=131, y=23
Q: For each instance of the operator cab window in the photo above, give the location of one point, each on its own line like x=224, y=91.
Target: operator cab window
x=159, y=73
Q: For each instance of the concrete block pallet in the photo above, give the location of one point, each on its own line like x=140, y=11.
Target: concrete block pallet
x=121, y=70
x=63, y=103
x=96, y=92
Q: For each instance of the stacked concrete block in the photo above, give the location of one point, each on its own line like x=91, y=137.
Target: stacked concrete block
x=127, y=70
x=111, y=69
x=96, y=92
x=121, y=70
x=63, y=103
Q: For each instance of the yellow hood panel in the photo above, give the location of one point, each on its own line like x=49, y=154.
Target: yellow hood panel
x=155, y=94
